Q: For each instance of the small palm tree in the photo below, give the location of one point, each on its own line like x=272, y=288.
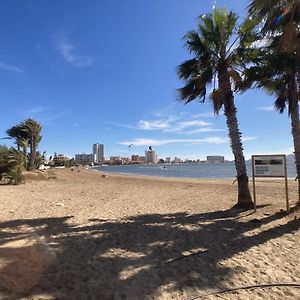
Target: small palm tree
x=33, y=129
x=21, y=138
x=10, y=165
x=220, y=49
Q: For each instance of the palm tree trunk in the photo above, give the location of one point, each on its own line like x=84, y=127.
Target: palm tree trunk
x=295, y=124
x=25, y=157
x=244, y=195
x=32, y=154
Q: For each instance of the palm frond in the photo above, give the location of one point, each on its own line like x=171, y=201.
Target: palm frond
x=192, y=90
x=188, y=69
x=194, y=44
x=280, y=104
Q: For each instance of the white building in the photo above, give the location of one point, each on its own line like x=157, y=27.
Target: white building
x=176, y=160
x=150, y=157
x=84, y=158
x=215, y=159
x=98, y=151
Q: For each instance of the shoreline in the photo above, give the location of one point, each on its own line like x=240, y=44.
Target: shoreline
x=258, y=179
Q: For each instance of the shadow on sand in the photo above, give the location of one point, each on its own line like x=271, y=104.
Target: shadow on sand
x=142, y=256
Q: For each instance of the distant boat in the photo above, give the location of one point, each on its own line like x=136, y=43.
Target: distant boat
x=104, y=165
x=163, y=167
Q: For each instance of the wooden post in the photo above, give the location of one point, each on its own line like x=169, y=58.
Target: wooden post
x=286, y=188
x=253, y=184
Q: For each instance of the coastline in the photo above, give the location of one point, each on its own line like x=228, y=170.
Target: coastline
x=134, y=237
x=258, y=179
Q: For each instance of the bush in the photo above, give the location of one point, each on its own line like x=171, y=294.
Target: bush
x=10, y=165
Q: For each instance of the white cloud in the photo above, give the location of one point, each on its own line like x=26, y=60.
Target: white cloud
x=173, y=124
x=249, y=138
x=202, y=130
x=138, y=142
x=266, y=108
x=154, y=125
x=68, y=52
x=215, y=140
x=181, y=126
x=8, y=67
x=163, y=112
x=204, y=115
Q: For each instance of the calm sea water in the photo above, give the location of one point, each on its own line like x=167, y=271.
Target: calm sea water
x=224, y=170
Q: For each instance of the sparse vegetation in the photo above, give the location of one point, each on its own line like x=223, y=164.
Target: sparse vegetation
x=27, y=134
x=10, y=165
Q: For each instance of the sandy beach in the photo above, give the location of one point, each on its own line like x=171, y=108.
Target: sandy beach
x=126, y=237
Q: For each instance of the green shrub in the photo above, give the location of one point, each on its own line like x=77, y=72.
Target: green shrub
x=10, y=165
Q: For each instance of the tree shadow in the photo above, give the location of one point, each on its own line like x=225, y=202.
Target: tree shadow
x=142, y=257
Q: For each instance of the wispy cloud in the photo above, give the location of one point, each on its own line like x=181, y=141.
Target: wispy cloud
x=33, y=110
x=155, y=124
x=67, y=50
x=45, y=115
x=266, y=108
x=183, y=125
x=204, y=115
x=146, y=142
x=8, y=67
x=214, y=140
x=173, y=124
x=249, y=138
x=202, y=130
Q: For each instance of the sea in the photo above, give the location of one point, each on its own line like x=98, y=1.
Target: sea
x=186, y=170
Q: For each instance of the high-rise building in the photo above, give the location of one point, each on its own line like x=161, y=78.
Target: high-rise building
x=150, y=157
x=98, y=151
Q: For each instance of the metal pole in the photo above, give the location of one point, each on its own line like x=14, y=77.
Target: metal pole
x=286, y=188
x=253, y=184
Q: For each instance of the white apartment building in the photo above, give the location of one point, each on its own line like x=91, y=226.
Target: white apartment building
x=215, y=159
x=98, y=151
x=150, y=157
x=84, y=158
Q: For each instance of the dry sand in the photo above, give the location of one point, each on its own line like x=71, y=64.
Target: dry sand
x=125, y=237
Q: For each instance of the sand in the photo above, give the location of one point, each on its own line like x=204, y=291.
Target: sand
x=126, y=237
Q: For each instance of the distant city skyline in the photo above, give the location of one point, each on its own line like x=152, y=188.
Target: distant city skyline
x=106, y=71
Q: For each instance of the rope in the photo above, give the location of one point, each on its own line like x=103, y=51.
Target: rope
x=248, y=287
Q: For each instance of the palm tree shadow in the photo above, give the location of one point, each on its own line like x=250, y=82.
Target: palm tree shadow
x=143, y=256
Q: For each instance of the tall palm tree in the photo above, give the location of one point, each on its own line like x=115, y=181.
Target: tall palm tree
x=33, y=129
x=220, y=48
x=21, y=138
x=279, y=20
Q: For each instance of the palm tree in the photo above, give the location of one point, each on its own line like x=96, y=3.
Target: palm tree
x=21, y=138
x=278, y=18
x=220, y=49
x=33, y=129
x=280, y=24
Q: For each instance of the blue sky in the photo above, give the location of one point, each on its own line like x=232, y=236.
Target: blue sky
x=105, y=71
